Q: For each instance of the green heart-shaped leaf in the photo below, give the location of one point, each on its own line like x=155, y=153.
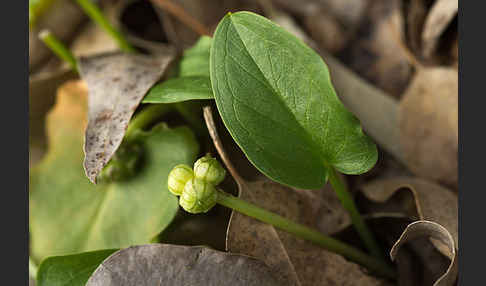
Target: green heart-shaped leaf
x=275, y=96
x=69, y=214
x=73, y=270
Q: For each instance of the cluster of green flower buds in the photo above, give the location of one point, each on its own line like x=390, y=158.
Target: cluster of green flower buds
x=197, y=188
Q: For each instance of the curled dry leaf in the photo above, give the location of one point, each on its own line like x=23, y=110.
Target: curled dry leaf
x=117, y=83
x=293, y=260
x=440, y=16
x=429, y=202
x=165, y=264
x=428, y=120
x=434, y=230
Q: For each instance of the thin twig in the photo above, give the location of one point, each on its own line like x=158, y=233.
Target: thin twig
x=179, y=12
x=213, y=132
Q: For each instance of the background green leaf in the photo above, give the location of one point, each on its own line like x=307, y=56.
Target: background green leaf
x=275, y=96
x=72, y=270
x=69, y=214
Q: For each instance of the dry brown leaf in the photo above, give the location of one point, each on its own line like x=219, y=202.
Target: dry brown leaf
x=42, y=91
x=293, y=260
x=415, y=18
x=424, y=228
x=428, y=120
x=376, y=54
x=166, y=264
x=438, y=19
x=429, y=201
x=207, y=16
x=117, y=83
x=93, y=40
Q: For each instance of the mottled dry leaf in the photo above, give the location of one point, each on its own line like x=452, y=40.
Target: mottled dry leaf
x=428, y=118
x=165, y=264
x=429, y=201
x=434, y=230
x=440, y=16
x=117, y=83
x=293, y=260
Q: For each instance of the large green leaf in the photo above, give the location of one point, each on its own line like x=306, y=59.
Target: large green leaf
x=69, y=214
x=180, y=89
x=72, y=270
x=275, y=96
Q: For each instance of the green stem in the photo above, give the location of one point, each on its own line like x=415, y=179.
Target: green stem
x=301, y=231
x=97, y=16
x=145, y=117
x=58, y=48
x=358, y=222
x=32, y=269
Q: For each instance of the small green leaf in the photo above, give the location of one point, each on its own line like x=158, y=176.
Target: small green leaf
x=69, y=214
x=195, y=61
x=72, y=270
x=180, y=89
x=275, y=96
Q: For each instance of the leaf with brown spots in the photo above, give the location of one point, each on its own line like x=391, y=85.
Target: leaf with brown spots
x=294, y=260
x=428, y=121
x=433, y=230
x=117, y=83
x=165, y=264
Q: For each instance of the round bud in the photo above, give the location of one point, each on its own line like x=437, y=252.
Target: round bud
x=198, y=196
x=209, y=169
x=178, y=178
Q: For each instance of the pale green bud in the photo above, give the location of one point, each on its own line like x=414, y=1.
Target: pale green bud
x=209, y=169
x=198, y=196
x=178, y=178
